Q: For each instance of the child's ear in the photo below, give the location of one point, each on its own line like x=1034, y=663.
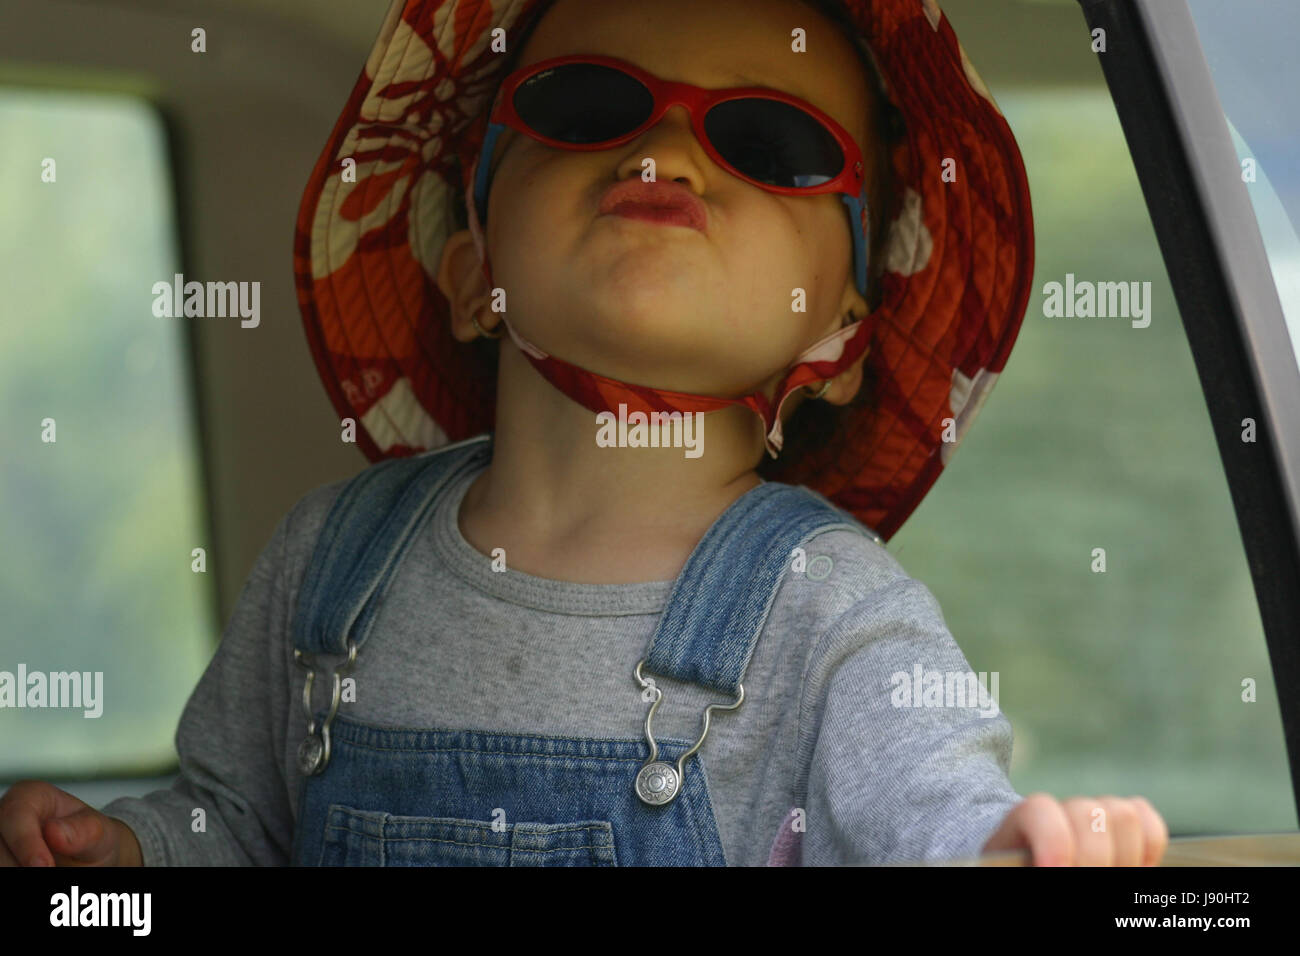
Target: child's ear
x=853, y=307
x=844, y=387
x=852, y=303
x=460, y=278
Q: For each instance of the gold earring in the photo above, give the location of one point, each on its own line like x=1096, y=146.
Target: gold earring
x=494, y=334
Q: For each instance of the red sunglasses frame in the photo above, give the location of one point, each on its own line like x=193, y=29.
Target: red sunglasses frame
x=698, y=101
x=850, y=182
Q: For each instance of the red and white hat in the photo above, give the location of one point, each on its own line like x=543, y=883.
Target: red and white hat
x=959, y=256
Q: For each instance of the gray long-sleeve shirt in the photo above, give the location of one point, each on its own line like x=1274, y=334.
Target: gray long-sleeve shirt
x=890, y=776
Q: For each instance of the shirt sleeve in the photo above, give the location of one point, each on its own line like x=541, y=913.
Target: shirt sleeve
x=897, y=777
x=227, y=741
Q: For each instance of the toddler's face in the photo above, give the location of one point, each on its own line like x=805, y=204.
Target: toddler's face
x=666, y=306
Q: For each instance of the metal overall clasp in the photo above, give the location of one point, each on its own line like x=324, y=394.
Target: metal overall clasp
x=314, y=751
x=657, y=782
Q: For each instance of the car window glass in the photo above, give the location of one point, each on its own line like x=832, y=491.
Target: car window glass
x=100, y=491
x=1256, y=72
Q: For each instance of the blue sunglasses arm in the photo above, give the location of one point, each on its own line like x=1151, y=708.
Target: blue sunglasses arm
x=861, y=238
x=494, y=130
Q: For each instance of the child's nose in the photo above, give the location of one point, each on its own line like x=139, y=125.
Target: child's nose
x=677, y=115
x=672, y=132
x=671, y=143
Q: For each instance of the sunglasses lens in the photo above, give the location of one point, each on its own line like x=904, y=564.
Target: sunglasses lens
x=583, y=103
x=774, y=142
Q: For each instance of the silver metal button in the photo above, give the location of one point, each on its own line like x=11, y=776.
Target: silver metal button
x=310, y=752
x=657, y=783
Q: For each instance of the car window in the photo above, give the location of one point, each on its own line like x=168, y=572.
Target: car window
x=1082, y=541
x=1253, y=63
x=106, y=624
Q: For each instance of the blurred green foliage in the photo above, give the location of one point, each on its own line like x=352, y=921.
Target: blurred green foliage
x=1097, y=436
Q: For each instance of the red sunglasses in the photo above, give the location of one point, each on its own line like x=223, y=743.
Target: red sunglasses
x=770, y=139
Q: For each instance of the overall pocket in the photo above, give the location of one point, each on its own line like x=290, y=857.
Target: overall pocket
x=374, y=838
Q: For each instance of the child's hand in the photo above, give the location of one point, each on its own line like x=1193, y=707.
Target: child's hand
x=41, y=825
x=1084, y=831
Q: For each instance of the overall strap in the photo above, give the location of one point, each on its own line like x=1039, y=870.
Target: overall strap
x=721, y=599
x=368, y=531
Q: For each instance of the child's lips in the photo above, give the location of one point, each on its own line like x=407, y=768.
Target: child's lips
x=661, y=214
x=668, y=204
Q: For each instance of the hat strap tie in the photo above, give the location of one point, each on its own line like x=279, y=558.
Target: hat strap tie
x=825, y=359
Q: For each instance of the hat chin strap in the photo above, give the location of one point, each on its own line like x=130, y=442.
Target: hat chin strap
x=825, y=359
x=599, y=393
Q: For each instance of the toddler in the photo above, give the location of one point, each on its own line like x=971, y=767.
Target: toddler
x=642, y=413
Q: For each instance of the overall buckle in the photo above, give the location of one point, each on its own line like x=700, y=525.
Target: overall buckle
x=314, y=751
x=658, y=782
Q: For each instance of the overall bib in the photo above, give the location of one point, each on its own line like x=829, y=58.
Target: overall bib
x=380, y=796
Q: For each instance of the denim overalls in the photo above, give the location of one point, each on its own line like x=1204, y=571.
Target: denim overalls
x=381, y=796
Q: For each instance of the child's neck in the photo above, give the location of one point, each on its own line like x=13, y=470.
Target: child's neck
x=564, y=507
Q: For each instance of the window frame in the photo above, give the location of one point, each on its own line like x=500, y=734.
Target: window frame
x=1209, y=238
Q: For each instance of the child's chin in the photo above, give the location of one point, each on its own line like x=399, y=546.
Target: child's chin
x=656, y=333
x=652, y=285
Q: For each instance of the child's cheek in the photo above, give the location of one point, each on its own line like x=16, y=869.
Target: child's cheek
x=534, y=190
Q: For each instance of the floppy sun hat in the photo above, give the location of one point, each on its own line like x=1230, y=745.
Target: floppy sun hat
x=422, y=121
